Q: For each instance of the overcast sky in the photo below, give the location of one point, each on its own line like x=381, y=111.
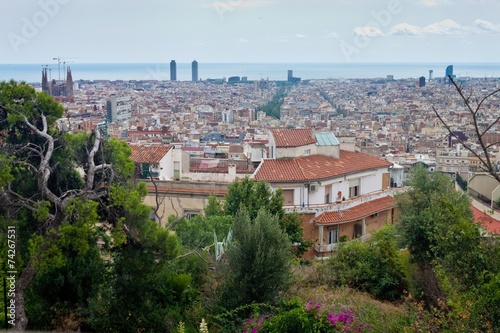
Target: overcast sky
x=157, y=31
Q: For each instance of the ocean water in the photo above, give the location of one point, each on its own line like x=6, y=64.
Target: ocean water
x=253, y=71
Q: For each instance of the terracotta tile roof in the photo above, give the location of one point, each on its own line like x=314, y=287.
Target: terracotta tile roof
x=357, y=212
x=316, y=167
x=295, y=137
x=148, y=154
x=487, y=221
x=236, y=149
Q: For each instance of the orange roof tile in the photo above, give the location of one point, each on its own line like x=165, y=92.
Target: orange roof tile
x=295, y=137
x=148, y=154
x=357, y=212
x=487, y=221
x=317, y=167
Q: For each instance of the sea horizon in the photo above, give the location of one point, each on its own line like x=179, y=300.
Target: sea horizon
x=31, y=72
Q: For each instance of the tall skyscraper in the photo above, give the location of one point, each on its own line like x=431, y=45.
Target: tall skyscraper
x=194, y=68
x=421, y=81
x=173, y=71
x=290, y=75
x=449, y=73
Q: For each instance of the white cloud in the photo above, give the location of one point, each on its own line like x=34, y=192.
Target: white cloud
x=242, y=40
x=405, y=29
x=300, y=36
x=368, y=31
x=446, y=27
x=485, y=26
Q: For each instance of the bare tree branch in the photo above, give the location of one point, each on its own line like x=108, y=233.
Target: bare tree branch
x=170, y=226
x=158, y=202
x=483, y=155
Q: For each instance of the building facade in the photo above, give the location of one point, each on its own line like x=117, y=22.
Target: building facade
x=118, y=108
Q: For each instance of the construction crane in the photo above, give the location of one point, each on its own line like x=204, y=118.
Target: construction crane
x=58, y=58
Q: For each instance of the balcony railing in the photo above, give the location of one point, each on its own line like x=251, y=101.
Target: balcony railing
x=341, y=205
x=328, y=248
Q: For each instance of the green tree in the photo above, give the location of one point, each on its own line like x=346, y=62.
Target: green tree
x=258, y=262
x=256, y=195
x=50, y=173
x=445, y=243
x=253, y=195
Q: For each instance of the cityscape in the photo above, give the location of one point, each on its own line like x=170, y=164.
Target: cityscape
x=250, y=166
x=221, y=130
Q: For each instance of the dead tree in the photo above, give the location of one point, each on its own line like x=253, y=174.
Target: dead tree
x=474, y=106
x=92, y=189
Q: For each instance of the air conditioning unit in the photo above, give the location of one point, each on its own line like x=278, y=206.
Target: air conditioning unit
x=313, y=188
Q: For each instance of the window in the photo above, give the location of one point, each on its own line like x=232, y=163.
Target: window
x=328, y=189
x=188, y=214
x=333, y=235
x=307, y=152
x=353, y=191
x=354, y=187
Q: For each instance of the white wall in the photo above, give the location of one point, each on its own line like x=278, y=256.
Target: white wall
x=295, y=151
x=368, y=184
x=167, y=166
x=332, y=151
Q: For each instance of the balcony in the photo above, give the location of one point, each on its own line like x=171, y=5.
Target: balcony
x=341, y=205
x=324, y=251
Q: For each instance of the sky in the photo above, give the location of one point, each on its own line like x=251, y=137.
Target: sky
x=243, y=31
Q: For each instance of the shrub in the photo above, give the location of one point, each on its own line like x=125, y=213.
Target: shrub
x=375, y=266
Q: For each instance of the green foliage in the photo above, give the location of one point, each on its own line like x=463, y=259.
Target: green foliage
x=118, y=154
x=294, y=317
x=42, y=210
x=256, y=195
x=198, y=232
x=273, y=107
x=437, y=226
x=375, y=266
x=291, y=224
x=415, y=206
x=18, y=100
x=253, y=196
x=5, y=169
x=258, y=262
x=67, y=287
x=213, y=207
x=461, y=182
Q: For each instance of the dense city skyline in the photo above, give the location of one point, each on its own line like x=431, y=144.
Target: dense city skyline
x=249, y=31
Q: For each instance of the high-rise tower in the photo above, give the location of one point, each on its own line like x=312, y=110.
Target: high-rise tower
x=173, y=71
x=449, y=74
x=194, y=68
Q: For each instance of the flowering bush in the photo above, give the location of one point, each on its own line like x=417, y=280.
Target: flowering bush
x=295, y=317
